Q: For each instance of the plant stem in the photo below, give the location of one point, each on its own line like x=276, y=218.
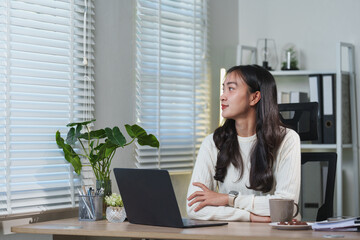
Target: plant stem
x=109, y=163
x=88, y=132
x=83, y=147
x=130, y=142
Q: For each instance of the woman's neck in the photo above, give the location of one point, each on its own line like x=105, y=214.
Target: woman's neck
x=246, y=127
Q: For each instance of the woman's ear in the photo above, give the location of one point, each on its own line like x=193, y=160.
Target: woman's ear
x=255, y=98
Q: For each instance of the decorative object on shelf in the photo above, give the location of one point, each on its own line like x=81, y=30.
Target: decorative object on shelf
x=115, y=211
x=267, y=53
x=290, y=58
x=246, y=55
x=99, y=147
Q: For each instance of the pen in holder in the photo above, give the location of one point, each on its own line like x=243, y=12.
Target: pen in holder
x=90, y=207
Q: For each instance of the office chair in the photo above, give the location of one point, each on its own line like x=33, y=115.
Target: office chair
x=303, y=118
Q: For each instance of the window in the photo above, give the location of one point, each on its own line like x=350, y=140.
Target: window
x=172, y=80
x=42, y=88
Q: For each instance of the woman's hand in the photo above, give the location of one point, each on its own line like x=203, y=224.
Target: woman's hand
x=206, y=197
x=259, y=219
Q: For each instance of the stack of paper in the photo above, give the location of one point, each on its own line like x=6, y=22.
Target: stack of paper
x=348, y=224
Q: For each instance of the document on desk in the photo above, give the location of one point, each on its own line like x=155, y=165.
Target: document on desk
x=348, y=224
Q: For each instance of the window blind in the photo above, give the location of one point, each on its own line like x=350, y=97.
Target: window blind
x=42, y=88
x=172, y=81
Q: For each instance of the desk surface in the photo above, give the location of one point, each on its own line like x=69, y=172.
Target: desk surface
x=234, y=230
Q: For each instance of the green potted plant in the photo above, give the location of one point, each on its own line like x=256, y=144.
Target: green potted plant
x=290, y=59
x=99, y=147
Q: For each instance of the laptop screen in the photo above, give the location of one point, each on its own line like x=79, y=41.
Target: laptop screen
x=148, y=197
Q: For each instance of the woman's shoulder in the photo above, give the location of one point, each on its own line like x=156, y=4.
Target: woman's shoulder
x=289, y=132
x=209, y=140
x=290, y=135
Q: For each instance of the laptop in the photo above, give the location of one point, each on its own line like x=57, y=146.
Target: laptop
x=149, y=199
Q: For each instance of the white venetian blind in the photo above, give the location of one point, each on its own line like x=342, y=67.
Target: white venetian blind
x=172, y=80
x=42, y=88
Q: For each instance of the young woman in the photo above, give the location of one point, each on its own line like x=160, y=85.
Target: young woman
x=248, y=160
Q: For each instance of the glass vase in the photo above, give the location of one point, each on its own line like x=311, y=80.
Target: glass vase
x=115, y=214
x=105, y=185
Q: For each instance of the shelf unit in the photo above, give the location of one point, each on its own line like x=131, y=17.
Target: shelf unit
x=339, y=146
x=350, y=51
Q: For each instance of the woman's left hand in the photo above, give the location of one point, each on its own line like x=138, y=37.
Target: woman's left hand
x=259, y=219
x=206, y=197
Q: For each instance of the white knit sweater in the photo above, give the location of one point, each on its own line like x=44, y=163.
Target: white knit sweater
x=286, y=179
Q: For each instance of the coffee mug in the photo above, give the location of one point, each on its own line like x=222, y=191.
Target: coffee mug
x=282, y=210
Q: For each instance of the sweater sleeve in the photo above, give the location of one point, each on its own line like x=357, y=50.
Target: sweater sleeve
x=203, y=172
x=287, y=174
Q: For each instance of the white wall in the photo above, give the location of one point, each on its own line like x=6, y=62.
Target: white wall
x=223, y=39
x=114, y=75
x=315, y=27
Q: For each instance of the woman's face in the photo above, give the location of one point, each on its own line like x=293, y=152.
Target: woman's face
x=235, y=100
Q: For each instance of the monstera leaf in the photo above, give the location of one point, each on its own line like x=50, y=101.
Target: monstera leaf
x=80, y=123
x=115, y=136
x=148, y=140
x=73, y=134
x=143, y=138
x=96, y=134
x=70, y=155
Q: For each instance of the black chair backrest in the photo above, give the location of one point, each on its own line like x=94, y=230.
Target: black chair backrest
x=326, y=210
x=302, y=118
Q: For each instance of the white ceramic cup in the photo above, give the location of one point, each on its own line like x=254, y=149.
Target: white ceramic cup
x=282, y=210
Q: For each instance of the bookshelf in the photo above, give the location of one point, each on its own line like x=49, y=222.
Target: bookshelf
x=299, y=80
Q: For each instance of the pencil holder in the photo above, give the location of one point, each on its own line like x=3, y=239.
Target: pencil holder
x=90, y=207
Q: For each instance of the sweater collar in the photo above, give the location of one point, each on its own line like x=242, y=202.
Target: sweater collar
x=247, y=139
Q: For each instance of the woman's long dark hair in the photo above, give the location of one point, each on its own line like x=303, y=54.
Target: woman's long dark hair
x=268, y=132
